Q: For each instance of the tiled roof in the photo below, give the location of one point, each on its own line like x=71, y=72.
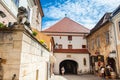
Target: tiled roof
x=116, y=11
x=67, y=25
x=101, y=22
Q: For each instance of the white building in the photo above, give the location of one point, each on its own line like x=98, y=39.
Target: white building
x=70, y=47
x=22, y=56
x=10, y=9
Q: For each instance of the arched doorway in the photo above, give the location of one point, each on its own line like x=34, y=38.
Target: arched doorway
x=70, y=66
x=112, y=63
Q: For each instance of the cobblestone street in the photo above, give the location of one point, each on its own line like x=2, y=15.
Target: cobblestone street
x=77, y=77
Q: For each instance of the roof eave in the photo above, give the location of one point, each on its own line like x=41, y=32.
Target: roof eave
x=98, y=28
x=40, y=7
x=65, y=32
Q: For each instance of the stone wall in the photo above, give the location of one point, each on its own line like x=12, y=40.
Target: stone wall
x=22, y=55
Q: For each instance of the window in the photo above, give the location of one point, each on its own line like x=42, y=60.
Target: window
x=98, y=41
x=28, y=9
x=37, y=13
x=83, y=46
x=70, y=38
x=69, y=46
x=119, y=26
x=60, y=46
x=16, y=2
x=92, y=43
x=60, y=37
x=84, y=61
x=107, y=37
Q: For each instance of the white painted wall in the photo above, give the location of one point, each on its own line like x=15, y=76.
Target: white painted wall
x=77, y=41
x=116, y=20
x=76, y=57
x=10, y=6
x=33, y=57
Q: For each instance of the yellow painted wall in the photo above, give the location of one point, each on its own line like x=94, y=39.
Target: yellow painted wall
x=42, y=36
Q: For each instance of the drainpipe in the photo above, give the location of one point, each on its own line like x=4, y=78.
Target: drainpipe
x=115, y=40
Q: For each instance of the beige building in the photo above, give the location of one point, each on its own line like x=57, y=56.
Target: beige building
x=103, y=42
x=116, y=26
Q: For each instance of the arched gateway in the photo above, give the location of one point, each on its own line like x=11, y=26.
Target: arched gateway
x=70, y=66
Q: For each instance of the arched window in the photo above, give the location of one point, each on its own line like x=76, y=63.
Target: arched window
x=84, y=61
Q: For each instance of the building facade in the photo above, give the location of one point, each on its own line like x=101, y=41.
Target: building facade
x=115, y=20
x=22, y=55
x=70, y=48
x=103, y=42
x=10, y=10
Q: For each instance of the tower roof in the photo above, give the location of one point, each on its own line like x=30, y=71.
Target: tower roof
x=66, y=25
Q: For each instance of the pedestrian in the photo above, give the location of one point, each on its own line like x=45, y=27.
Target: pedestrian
x=102, y=71
x=63, y=70
x=107, y=71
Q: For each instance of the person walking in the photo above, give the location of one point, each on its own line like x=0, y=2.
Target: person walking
x=62, y=70
x=107, y=71
x=102, y=71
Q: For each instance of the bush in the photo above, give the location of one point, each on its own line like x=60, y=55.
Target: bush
x=34, y=33
x=1, y=25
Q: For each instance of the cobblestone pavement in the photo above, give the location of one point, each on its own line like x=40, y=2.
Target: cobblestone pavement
x=77, y=77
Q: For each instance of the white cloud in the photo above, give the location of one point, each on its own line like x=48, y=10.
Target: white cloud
x=84, y=12
x=48, y=24
x=89, y=25
x=110, y=3
x=54, y=12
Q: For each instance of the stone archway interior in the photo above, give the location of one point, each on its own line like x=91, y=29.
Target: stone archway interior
x=70, y=66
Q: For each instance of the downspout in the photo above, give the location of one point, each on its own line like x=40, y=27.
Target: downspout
x=115, y=40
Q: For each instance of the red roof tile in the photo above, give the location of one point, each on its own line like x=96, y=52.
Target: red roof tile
x=67, y=25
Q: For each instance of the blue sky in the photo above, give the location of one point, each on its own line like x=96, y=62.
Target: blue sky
x=85, y=12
